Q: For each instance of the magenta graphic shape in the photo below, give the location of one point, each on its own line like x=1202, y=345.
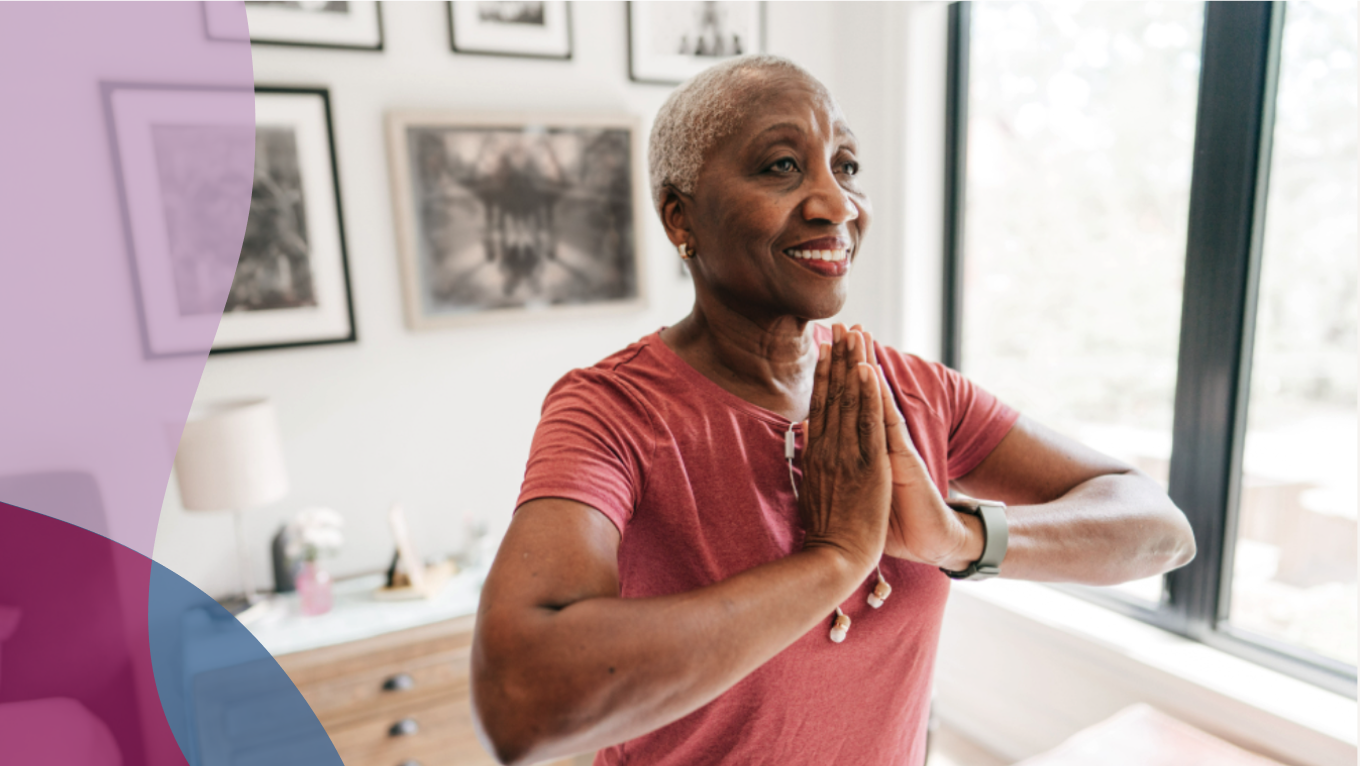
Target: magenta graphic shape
x=126, y=160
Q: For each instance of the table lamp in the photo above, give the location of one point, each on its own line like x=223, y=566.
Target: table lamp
x=230, y=458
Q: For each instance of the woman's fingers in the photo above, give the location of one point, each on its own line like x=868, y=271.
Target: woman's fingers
x=871, y=355
x=872, y=438
x=898, y=438
x=835, y=384
x=816, y=419
x=849, y=404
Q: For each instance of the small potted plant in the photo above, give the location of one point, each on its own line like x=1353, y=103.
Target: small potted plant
x=312, y=533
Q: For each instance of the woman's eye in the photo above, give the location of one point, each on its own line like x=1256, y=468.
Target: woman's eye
x=850, y=168
x=786, y=165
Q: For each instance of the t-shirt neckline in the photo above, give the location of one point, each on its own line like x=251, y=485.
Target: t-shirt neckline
x=711, y=390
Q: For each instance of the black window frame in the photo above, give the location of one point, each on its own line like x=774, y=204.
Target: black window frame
x=1234, y=124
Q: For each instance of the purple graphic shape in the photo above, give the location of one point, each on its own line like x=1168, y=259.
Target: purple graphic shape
x=125, y=174
x=112, y=273
x=107, y=658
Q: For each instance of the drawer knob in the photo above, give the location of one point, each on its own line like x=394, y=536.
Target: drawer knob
x=399, y=683
x=404, y=728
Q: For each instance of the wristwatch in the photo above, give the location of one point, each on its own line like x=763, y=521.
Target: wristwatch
x=995, y=537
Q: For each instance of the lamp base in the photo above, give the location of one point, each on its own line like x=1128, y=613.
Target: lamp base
x=247, y=582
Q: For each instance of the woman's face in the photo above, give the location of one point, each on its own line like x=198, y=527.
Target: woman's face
x=778, y=215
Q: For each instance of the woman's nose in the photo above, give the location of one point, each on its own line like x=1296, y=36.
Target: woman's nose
x=827, y=200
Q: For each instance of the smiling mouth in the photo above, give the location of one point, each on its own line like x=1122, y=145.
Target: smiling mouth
x=839, y=254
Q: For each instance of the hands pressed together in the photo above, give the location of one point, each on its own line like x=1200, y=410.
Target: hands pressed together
x=865, y=490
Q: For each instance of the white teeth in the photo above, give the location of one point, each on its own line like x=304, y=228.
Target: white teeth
x=820, y=255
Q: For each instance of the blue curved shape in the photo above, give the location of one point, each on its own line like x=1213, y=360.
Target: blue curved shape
x=226, y=699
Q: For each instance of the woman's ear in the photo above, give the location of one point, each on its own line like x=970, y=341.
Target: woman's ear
x=675, y=216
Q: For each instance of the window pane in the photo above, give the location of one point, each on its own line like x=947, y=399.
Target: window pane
x=1080, y=132
x=1294, y=567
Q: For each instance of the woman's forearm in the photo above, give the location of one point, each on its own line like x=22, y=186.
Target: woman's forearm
x=1104, y=531
x=553, y=681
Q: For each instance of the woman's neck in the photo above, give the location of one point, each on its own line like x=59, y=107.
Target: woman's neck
x=768, y=363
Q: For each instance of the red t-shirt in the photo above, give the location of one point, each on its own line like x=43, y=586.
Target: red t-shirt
x=694, y=478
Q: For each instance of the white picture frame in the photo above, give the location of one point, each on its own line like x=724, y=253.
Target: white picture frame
x=671, y=42
x=351, y=24
x=520, y=29
x=184, y=158
x=177, y=289
x=504, y=216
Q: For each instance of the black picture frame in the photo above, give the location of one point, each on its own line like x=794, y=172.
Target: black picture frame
x=453, y=39
x=642, y=78
x=347, y=291
x=212, y=33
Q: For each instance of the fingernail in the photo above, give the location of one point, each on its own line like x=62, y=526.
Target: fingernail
x=850, y=341
x=837, y=330
x=864, y=373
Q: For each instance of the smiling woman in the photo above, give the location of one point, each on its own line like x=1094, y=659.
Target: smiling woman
x=732, y=543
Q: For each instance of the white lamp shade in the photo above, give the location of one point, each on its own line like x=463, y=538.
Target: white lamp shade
x=231, y=457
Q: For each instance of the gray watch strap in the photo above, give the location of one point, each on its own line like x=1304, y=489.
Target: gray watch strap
x=995, y=533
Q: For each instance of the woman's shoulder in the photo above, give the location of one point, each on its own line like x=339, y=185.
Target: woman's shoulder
x=617, y=378
x=914, y=377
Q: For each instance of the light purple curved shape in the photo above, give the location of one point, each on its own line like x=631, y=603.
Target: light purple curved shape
x=122, y=210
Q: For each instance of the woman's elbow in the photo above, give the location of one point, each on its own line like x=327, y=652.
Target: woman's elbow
x=501, y=720
x=504, y=704
x=1178, y=542
x=1185, y=548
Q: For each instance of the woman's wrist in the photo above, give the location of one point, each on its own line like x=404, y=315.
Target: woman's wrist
x=971, y=543
x=844, y=567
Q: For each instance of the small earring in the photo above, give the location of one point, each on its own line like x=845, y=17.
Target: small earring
x=880, y=593
x=685, y=253
x=840, y=627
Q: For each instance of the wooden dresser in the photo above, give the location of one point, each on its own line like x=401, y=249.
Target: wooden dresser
x=397, y=698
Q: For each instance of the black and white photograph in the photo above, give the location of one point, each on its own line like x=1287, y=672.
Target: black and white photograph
x=355, y=24
x=533, y=29
x=671, y=42
x=291, y=285
x=514, y=216
x=274, y=271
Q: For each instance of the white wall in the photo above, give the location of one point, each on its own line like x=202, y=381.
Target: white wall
x=441, y=420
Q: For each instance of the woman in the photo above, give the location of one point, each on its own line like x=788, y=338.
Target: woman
x=674, y=586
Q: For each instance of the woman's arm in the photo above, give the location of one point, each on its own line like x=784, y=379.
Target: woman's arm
x=1076, y=515
x=561, y=664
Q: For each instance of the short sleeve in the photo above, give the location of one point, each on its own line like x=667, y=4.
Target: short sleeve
x=965, y=422
x=978, y=422
x=591, y=445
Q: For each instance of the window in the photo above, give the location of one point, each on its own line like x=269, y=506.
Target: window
x=1118, y=267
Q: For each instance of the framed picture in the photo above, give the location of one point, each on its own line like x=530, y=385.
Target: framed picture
x=353, y=24
x=183, y=158
x=291, y=286
x=534, y=30
x=501, y=216
x=671, y=42
x=186, y=160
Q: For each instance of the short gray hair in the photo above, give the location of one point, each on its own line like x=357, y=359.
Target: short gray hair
x=700, y=113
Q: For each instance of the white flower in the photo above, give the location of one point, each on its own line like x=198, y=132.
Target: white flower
x=314, y=531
